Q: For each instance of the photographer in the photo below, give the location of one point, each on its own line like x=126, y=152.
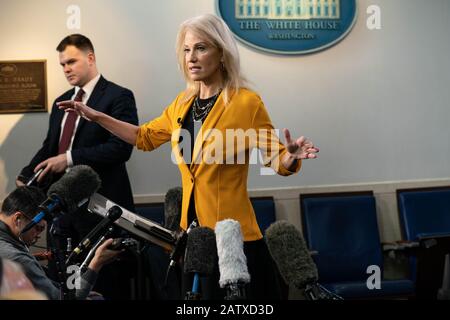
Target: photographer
x=19, y=207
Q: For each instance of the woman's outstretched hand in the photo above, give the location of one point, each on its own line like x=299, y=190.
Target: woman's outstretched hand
x=80, y=108
x=300, y=148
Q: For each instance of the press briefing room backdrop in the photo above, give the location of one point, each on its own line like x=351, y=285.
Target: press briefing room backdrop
x=376, y=101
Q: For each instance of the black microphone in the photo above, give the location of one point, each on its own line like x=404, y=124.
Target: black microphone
x=232, y=260
x=112, y=215
x=200, y=257
x=67, y=193
x=94, y=248
x=172, y=208
x=180, y=245
x=288, y=248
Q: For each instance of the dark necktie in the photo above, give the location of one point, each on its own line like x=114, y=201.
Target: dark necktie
x=69, y=126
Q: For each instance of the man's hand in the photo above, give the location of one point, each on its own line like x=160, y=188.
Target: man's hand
x=56, y=164
x=103, y=256
x=19, y=183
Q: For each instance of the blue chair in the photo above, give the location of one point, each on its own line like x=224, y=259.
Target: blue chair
x=343, y=229
x=425, y=218
x=264, y=208
x=424, y=212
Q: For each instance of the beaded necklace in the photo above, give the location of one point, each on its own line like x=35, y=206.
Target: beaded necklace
x=200, y=112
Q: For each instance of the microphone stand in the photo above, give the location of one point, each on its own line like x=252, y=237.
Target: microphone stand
x=59, y=255
x=236, y=291
x=179, y=248
x=194, y=294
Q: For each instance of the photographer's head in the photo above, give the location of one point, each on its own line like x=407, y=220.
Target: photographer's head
x=18, y=208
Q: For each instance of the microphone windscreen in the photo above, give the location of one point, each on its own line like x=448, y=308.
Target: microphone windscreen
x=288, y=248
x=75, y=185
x=230, y=249
x=114, y=213
x=201, y=252
x=172, y=208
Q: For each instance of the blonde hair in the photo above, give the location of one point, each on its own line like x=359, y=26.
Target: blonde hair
x=216, y=32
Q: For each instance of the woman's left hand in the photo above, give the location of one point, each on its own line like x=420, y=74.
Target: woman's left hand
x=300, y=148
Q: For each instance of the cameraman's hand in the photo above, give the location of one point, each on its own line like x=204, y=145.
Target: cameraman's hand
x=103, y=256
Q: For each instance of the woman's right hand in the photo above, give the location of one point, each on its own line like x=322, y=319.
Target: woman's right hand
x=81, y=109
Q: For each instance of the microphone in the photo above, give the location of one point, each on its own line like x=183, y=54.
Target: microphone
x=232, y=260
x=172, y=209
x=200, y=257
x=288, y=248
x=180, y=245
x=112, y=215
x=94, y=248
x=74, y=187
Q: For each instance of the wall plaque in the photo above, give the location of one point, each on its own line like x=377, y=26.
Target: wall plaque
x=23, y=86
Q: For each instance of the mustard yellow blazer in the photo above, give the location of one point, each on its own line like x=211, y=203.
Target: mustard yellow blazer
x=218, y=171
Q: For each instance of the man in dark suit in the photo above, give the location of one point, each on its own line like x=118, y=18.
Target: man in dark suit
x=72, y=140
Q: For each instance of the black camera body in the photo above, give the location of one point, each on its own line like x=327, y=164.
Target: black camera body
x=123, y=243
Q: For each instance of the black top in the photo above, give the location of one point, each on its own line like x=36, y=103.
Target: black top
x=193, y=127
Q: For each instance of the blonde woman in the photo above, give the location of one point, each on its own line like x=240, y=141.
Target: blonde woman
x=214, y=170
